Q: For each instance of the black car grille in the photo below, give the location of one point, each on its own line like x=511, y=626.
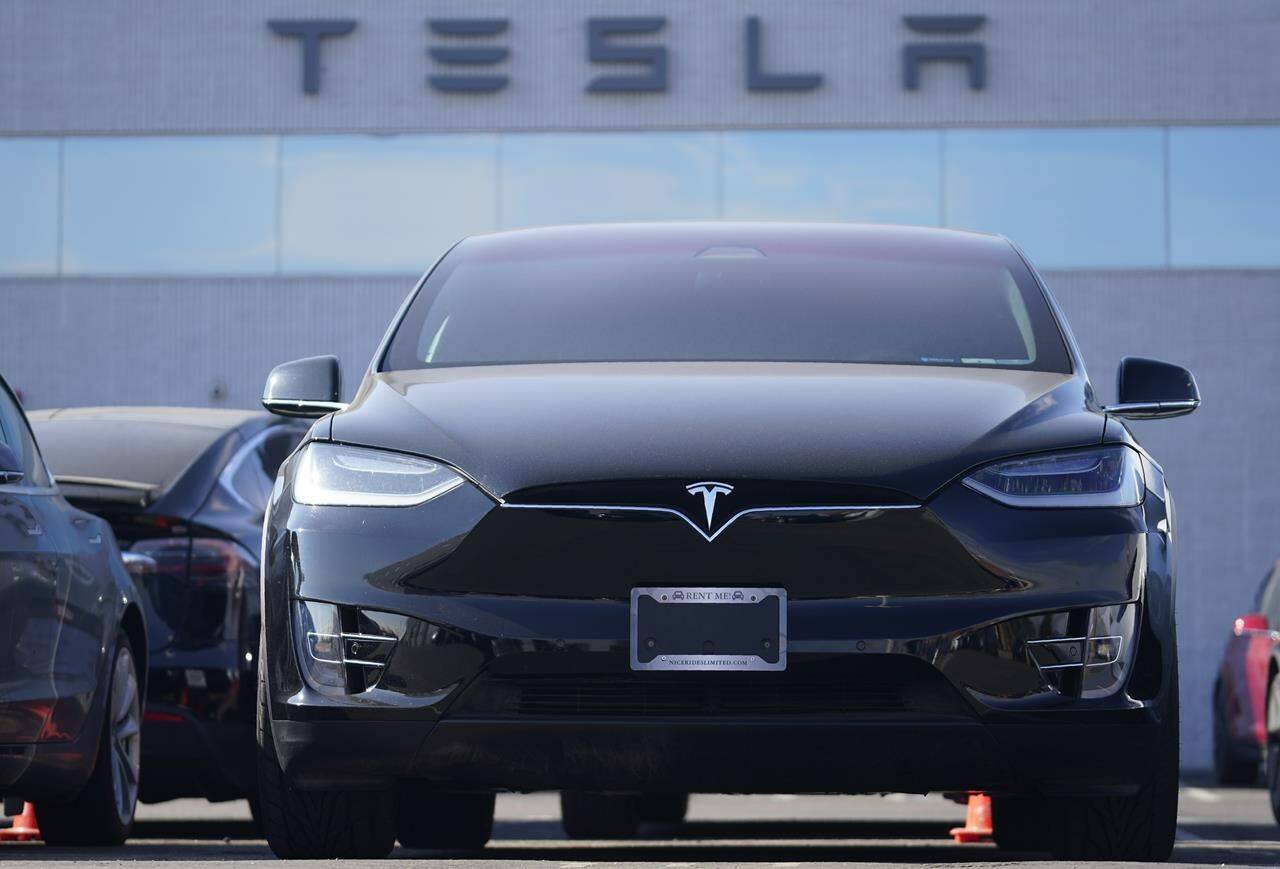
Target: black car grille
x=859, y=686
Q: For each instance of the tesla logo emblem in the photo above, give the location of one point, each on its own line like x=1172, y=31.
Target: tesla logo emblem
x=709, y=492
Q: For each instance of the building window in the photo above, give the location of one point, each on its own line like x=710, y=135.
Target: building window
x=169, y=205
x=551, y=178
x=866, y=176
x=29, y=206
x=1224, y=197
x=383, y=204
x=1072, y=198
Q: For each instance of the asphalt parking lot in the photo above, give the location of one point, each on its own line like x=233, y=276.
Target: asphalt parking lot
x=1219, y=826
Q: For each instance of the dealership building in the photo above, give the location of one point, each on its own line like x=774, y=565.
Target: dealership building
x=193, y=192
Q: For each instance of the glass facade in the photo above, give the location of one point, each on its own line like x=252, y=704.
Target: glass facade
x=1090, y=198
x=1073, y=198
x=169, y=205
x=1224, y=197
x=382, y=204
x=588, y=177
x=872, y=176
x=29, y=177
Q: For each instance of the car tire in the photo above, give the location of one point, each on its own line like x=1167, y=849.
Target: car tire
x=663, y=808
x=255, y=812
x=599, y=816
x=1140, y=827
x=1229, y=768
x=443, y=821
x=320, y=824
x=1273, y=747
x=103, y=812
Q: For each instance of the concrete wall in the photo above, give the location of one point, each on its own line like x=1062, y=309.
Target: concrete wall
x=212, y=342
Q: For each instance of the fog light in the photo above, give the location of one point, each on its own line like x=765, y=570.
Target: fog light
x=318, y=637
x=1094, y=662
x=343, y=650
x=1112, y=642
x=1103, y=650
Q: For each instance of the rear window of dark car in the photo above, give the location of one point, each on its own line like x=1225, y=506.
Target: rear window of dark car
x=730, y=302
x=252, y=472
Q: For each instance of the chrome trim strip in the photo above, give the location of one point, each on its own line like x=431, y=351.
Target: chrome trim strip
x=302, y=407
x=343, y=638
x=105, y=482
x=1139, y=409
x=841, y=508
x=377, y=638
x=1081, y=665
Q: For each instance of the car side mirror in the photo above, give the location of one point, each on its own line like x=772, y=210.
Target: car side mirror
x=1251, y=623
x=309, y=388
x=10, y=468
x=1150, y=389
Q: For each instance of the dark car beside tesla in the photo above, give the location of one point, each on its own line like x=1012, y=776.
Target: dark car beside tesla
x=638, y=511
x=185, y=488
x=73, y=653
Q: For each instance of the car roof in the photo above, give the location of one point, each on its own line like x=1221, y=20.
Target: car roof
x=146, y=447
x=861, y=239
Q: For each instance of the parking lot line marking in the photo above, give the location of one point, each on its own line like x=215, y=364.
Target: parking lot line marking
x=1204, y=796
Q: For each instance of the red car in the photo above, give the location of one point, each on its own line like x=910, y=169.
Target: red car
x=1240, y=694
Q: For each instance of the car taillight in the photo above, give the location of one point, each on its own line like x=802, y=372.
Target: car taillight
x=193, y=589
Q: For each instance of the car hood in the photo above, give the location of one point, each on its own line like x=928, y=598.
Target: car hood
x=902, y=427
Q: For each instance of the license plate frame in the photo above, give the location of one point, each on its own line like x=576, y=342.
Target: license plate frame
x=664, y=621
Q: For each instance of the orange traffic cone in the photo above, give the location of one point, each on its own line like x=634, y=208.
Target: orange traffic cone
x=977, y=821
x=24, y=827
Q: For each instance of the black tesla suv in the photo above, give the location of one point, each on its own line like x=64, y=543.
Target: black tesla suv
x=638, y=511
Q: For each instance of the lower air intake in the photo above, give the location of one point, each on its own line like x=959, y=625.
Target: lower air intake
x=866, y=685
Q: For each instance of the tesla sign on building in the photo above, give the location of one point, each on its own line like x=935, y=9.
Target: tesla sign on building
x=466, y=54
x=194, y=192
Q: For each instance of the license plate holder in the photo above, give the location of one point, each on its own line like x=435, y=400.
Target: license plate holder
x=708, y=628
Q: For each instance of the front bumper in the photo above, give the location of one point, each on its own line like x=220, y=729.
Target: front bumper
x=917, y=680
x=1109, y=755
x=512, y=701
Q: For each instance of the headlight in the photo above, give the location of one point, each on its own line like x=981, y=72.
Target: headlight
x=331, y=475
x=1096, y=477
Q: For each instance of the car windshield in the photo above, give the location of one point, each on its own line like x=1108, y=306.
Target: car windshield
x=728, y=303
